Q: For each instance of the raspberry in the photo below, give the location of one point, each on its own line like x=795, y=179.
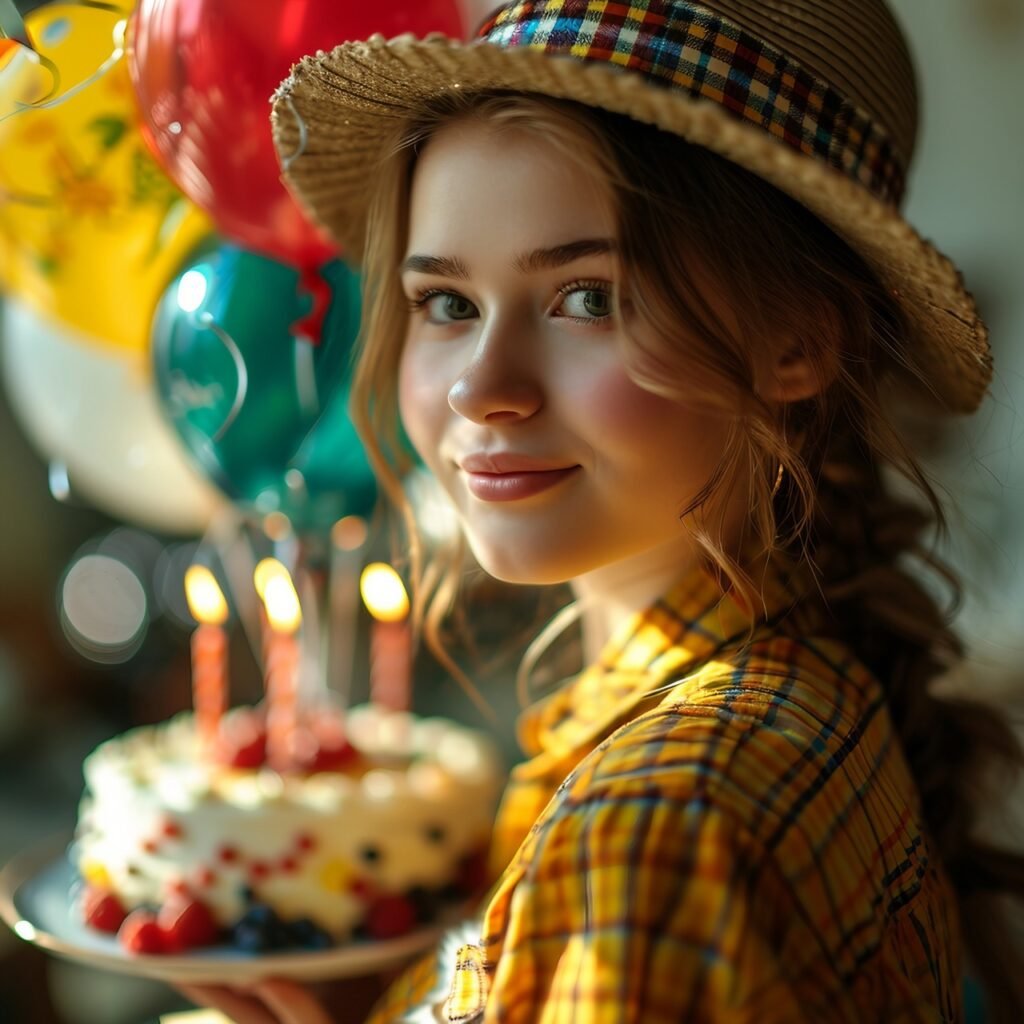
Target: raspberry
x=186, y=924
x=102, y=909
x=390, y=916
x=140, y=933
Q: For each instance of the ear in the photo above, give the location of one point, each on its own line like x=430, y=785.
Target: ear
x=790, y=375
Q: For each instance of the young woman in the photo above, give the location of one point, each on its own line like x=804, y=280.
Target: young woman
x=639, y=290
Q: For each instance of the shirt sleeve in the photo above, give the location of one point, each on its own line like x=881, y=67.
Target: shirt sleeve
x=646, y=905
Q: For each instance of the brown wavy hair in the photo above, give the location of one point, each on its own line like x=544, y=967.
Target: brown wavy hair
x=834, y=502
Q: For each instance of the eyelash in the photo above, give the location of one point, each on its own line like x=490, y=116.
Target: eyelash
x=419, y=301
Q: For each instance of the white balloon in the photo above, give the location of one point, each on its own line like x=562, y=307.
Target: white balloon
x=95, y=409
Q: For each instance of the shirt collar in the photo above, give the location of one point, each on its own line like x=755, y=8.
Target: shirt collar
x=696, y=618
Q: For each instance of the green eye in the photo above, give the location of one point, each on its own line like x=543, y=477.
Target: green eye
x=458, y=308
x=586, y=304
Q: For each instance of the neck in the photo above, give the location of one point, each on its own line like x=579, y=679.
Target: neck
x=610, y=594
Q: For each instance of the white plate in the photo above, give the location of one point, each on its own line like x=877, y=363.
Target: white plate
x=35, y=902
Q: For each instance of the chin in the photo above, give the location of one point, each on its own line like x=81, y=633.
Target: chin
x=511, y=565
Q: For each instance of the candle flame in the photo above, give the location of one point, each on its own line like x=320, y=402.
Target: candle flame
x=266, y=570
x=384, y=593
x=282, y=602
x=205, y=600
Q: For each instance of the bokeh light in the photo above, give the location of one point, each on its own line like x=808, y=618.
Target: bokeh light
x=104, y=611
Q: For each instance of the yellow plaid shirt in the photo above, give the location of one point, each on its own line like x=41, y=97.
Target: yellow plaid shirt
x=714, y=825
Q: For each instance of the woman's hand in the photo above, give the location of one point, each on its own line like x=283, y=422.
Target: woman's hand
x=271, y=1001
x=277, y=1001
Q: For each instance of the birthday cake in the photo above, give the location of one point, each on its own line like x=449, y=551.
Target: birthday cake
x=382, y=826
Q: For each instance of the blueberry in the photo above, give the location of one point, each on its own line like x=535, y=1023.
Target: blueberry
x=250, y=938
x=262, y=916
x=309, y=935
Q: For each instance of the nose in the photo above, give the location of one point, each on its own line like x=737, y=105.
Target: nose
x=501, y=383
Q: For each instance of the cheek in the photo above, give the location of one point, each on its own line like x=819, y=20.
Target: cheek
x=622, y=408
x=422, y=403
x=627, y=420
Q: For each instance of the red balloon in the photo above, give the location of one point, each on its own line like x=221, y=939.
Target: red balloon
x=204, y=71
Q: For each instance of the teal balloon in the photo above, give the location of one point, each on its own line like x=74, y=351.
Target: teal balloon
x=261, y=409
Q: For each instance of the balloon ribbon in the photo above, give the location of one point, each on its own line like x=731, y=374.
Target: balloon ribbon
x=313, y=284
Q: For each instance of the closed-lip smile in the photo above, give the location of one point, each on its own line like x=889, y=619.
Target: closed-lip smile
x=508, y=462
x=509, y=476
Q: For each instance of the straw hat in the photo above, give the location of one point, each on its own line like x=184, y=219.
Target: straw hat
x=818, y=97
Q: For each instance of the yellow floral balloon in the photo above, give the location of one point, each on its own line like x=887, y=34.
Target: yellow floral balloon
x=91, y=230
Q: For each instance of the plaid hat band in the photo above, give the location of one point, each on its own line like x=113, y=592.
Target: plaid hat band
x=684, y=46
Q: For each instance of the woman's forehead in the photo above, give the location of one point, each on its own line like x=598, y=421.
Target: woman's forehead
x=477, y=185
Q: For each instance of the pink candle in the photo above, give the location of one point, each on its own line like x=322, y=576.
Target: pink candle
x=282, y=658
x=282, y=690
x=390, y=639
x=209, y=652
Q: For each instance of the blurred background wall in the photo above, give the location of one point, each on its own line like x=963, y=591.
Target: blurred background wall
x=56, y=704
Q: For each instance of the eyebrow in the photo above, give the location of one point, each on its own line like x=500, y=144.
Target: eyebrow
x=525, y=263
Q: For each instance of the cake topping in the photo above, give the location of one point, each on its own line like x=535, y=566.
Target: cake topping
x=205, y=877
x=186, y=923
x=390, y=916
x=259, y=870
x=371, y=853
x=435, y=834
x=171, y=829
x=102, y=909
x=140, y=933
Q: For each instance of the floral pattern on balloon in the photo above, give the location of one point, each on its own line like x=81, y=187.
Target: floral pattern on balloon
x=91, y=229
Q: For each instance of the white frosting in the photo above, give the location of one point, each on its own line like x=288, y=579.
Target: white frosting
x=154, y=814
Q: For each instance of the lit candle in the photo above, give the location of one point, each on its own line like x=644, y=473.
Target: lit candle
x=209, y=652
x=281, y=661
x=391, y=637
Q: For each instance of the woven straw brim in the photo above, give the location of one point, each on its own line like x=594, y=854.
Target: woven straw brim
x=336, y=115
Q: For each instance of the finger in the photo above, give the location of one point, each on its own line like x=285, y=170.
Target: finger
x=292, y=1003
x=239, y=1008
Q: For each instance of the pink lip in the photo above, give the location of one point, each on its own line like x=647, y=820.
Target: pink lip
x=507, y=476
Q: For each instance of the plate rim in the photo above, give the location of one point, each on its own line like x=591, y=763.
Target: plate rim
x=31, y=862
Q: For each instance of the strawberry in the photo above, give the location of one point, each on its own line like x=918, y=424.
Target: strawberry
x=140, y=933
x=333, y=758
x=242, y=742
x=102, y=909
x=390, y=916
x=186, y=924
